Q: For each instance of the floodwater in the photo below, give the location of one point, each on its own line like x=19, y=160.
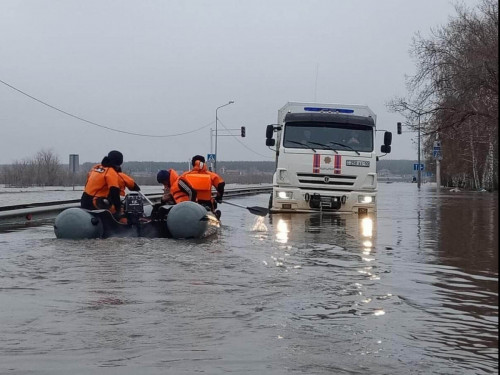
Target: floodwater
x=413, y=290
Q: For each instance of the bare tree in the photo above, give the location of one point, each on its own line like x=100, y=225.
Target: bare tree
x=43, y=169
x=456, y=88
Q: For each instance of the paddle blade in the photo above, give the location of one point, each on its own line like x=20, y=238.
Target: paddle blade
x=261, y=211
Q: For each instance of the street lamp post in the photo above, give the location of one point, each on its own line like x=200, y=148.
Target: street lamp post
x=216, y=157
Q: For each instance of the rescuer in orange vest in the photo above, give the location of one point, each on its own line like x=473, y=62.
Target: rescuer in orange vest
x=175, y=190
x=127, y=182
x=202, y=181
x=104, y=184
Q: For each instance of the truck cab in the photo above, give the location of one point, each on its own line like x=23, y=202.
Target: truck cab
x=325, y=158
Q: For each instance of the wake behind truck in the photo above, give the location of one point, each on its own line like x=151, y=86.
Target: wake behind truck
x=325, y=158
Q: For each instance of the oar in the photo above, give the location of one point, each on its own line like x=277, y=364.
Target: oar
x=261, y=211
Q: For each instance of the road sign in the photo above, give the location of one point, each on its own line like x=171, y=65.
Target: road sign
x=415, y=167
x=74, y=164
x=210, y=158
x=436, y=153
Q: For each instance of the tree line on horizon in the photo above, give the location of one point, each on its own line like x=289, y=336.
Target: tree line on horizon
x=453, y=97
x=45, y=169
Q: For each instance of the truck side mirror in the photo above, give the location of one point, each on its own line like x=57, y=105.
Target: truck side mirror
x=386, y=149
x=269, y=131
x=270, y=142
x=387, y=139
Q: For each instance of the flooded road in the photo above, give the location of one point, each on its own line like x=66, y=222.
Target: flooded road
x=413, y=290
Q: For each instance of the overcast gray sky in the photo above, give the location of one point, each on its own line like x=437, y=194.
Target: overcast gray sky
x=163, y=67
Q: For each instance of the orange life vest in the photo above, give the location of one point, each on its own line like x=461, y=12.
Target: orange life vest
x=200, y=181
x=100, y=179
x=173, y=186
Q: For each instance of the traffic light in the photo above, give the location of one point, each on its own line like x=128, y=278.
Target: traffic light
x=399, y=128
x=243, y=131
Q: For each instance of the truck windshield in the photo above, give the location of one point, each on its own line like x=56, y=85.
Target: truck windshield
x=329, y=136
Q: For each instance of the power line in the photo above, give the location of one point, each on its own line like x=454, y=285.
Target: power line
x=244, y=145
x=99, y=125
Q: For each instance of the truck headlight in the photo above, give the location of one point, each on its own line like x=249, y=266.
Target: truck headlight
x=366, y=199
x=284, y=194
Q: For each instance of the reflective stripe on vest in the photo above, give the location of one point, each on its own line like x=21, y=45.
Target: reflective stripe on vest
x=177, y=193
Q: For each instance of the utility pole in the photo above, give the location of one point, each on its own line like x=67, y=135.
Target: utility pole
x=419, y=178
x=419, y=170
x=438, y=156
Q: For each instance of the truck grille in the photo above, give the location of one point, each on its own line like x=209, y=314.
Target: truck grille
x=321, y=181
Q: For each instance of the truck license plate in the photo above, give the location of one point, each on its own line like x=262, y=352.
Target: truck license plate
x=357, y=163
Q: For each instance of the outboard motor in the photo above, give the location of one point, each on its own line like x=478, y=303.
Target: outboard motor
x=134, y=207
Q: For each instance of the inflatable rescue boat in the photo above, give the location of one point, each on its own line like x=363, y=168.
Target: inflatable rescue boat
x=183, y=220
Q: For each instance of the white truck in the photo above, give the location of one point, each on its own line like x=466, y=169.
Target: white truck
x=325, y=158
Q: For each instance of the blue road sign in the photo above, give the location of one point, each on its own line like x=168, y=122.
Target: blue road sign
x=210, y=158
x=415, y=167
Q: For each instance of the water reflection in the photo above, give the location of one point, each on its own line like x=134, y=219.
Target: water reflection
x=462, y=311
x=282, y=231
x=344, y=244
x=347, y=230
x=412, y=290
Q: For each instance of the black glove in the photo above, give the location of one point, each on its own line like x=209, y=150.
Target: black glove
x=136, y=187
x=218, y=199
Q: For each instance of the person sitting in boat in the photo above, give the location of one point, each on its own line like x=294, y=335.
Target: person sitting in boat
x=126, y=182
x=175, y=190
x=202, y=180
x=104, y=184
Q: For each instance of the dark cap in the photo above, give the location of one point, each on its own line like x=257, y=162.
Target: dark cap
x=115, y=158
x=197, y=157
x=163, y=176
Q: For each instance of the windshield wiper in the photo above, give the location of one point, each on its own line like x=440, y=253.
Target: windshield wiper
x=302, y=144
x=323, y=145
x=346, y=146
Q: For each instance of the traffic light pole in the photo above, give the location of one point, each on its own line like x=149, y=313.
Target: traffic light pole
x=243, y=134
x=418, y=114
x=419, y=170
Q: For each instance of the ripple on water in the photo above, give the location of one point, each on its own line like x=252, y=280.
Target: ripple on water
x=414, y=290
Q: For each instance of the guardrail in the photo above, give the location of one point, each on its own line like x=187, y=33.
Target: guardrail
x=34, y=213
